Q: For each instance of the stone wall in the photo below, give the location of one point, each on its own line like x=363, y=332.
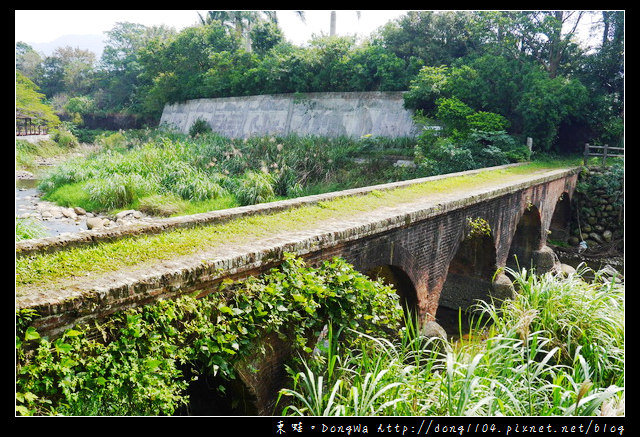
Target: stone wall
x=323, y=114
x=598, y=209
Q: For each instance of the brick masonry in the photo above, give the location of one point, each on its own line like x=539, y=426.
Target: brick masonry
x=419, y=239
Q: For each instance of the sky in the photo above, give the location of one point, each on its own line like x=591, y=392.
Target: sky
x=42, y=26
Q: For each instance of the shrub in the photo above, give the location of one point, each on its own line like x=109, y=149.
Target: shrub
x=64, y=138
x=254, y=187
x=199, y=127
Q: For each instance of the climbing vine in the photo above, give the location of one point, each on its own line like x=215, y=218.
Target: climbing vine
x=478, y=227
x=133, y=367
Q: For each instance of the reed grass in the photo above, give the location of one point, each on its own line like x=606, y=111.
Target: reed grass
x=523, y=364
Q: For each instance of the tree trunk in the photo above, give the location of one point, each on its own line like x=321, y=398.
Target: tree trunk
x=332, y=27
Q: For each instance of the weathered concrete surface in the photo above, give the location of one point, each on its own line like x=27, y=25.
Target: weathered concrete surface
x=424, y=239
x=419, y=237
x=323, y=114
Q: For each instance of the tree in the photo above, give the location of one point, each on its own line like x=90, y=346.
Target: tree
x=120, y=71
x=29, y=102
x=27, y=60
x=436, y=38
x=265, y=36
x=332, y=22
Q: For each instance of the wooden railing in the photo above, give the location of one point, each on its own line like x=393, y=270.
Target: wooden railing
x=24, y=126
x=604, y=151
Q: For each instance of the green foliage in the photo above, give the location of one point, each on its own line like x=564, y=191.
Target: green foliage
x=493, y=93
x=536, y=357
x=135, y=368
x=468, y=139
x=30, y=103
x=27, y=228
x=199, y=126
x=426, y=88
x=64, y=137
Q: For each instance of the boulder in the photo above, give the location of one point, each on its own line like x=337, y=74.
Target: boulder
x=433, y=329
x=95, y=223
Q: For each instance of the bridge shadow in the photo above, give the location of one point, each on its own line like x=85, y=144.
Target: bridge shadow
x=401, y=282
x=216, y=396
x=469, y=279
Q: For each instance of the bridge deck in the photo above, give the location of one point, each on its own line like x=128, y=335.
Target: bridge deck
x=261, y=241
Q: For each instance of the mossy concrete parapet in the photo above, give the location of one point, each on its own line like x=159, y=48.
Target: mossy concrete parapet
x=428, y=229
x=89, y=237
x=331, y=114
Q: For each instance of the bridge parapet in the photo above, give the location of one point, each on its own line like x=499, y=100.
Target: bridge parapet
x=91, y=237
x=419, y=238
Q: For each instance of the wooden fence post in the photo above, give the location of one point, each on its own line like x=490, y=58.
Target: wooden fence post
x=586, y=154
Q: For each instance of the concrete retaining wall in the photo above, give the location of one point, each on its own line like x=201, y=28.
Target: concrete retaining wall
x=323, y=114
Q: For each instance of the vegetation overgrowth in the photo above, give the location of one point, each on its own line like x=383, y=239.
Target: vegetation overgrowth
x=138, y=250
x=556, y=349
x=529, y=73
x=135, y=365
x=156, y=170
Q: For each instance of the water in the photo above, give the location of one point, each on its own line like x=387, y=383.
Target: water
x=27, y=201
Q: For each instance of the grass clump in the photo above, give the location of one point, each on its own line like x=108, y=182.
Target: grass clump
x=536, y=358
x=27, y=228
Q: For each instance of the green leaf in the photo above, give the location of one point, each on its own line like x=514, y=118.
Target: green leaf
x=31, y=334
x=72, y=333
x=153, y=364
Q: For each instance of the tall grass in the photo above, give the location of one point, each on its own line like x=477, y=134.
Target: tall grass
x=209, y=166
x=27, y=228
x=556, y=349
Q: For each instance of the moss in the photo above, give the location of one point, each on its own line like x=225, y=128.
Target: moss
x=112, y=256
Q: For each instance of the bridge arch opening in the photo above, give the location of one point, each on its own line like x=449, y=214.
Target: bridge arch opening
x=469, y=279
x=402, y=283
x=213, y=395
x=559, y=227
x=526, y=240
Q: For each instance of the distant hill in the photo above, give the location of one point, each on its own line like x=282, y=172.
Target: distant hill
x=94, y=43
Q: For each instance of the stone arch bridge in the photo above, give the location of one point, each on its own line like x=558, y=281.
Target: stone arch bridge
x=440, y=249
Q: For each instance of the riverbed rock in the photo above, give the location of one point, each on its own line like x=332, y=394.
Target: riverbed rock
x=565, y=269
x=96, y=222
x=69, y=213
x=502, y=287
x=433, y=329
x=545, y=259
x=79, y=211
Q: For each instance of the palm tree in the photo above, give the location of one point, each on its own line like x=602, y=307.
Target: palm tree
x=332, y=25
x=243, y=21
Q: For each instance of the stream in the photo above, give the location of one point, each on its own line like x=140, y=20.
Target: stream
x=29, y=204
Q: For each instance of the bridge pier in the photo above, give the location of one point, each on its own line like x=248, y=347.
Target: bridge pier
x=423, y=245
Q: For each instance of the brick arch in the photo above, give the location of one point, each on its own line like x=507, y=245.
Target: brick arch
x=470, y=271
x=390, y=260
x=469, y=277
x=559, y=226
x=527, y=238
x=401, y=282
